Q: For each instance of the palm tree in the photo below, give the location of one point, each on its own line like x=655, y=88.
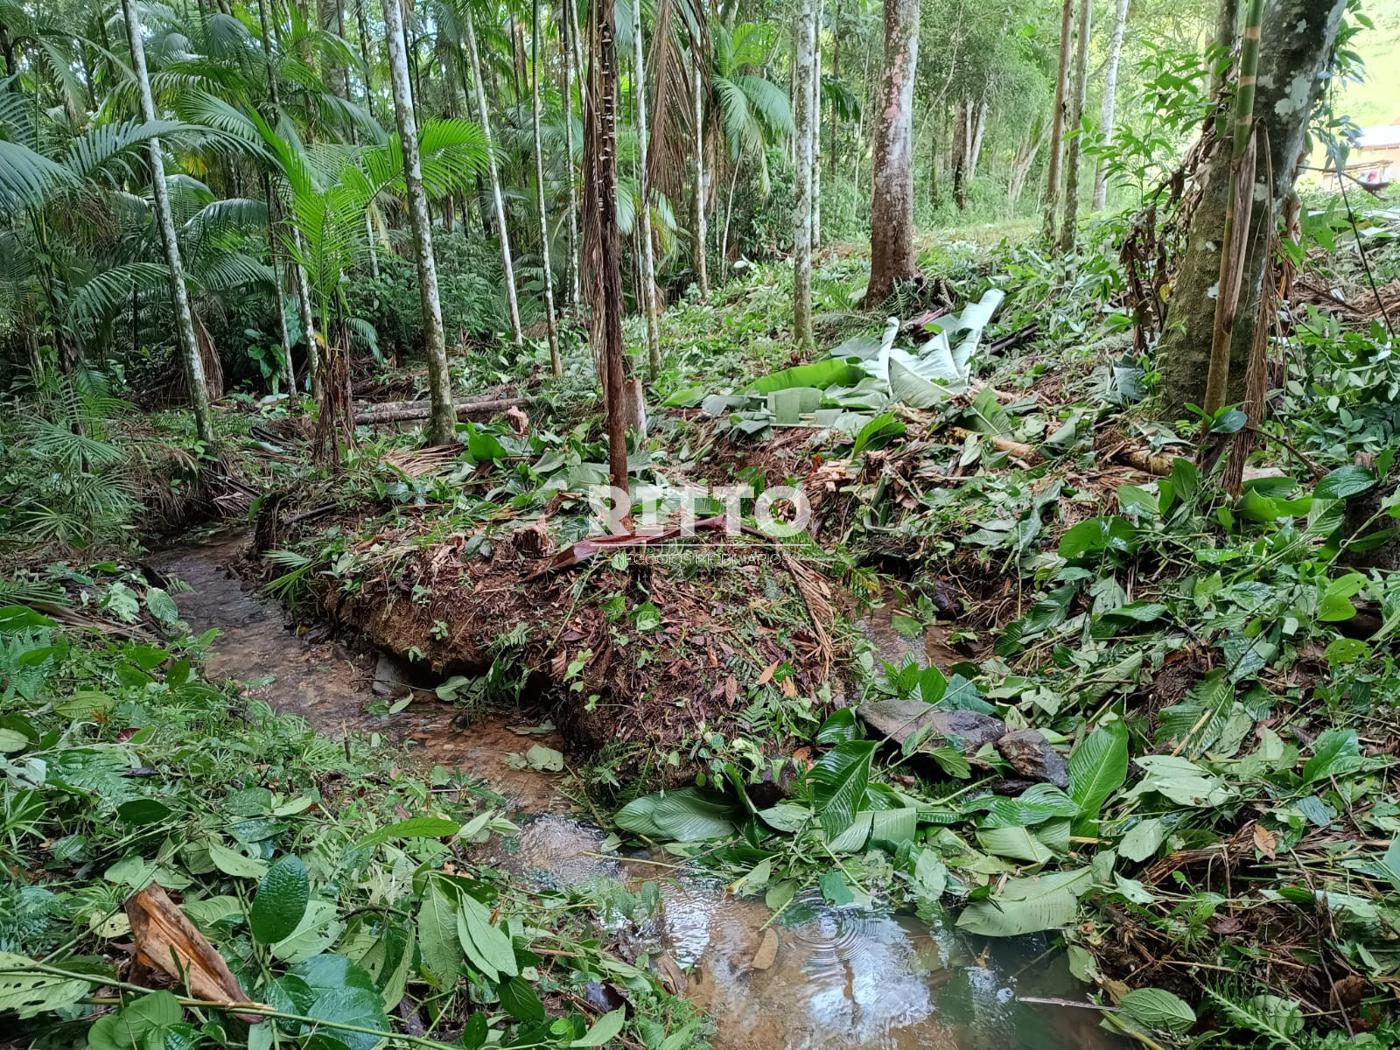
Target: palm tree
x=556, y=365
x=752, y=111
x=802, y=192
x=184, y=317
x=442, y=418
x=639, y=81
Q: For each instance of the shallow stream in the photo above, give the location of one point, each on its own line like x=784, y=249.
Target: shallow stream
x=840, y=978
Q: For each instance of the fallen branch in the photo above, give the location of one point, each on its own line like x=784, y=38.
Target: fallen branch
x=409, y=411
x=1147, y=462
x=1019, y=449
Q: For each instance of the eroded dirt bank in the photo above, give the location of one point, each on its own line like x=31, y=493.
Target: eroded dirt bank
x=820, y=978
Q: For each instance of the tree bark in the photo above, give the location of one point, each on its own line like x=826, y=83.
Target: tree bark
x=814, y=143
x=442, y=423
x=648, y=259
x=960, y=156
x=702, y=189
x=892, y=176
x=179, y=294
x=600, y=165
x=1076, y=120
x=1109, y=111
x=484, y=115
x=556, y=365
x=1057, y=129
x=566, y=29
x=1299, y=37
x=802, y=189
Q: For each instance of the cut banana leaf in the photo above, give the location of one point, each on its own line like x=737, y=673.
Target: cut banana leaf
x=831, y=371
x=791, y=404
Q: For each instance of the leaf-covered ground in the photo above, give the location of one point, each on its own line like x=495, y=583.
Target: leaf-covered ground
x=1029, y=666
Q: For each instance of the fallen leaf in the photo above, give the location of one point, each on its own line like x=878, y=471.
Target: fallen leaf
x=767, y=674
x=731, y=690
x=789, y=688
x=167, y=941
x=767, y=953
x=1265, y=841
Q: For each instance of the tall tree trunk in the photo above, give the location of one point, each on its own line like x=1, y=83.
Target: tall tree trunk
x=555, y=364
x=1298, y=41
x=442, y=423
x=484, y=115
x=978, y=133
x=1021, y=164
x=814, y=143
x=802, y=191
x=648, y=260
x=179, y=294
x=1108, y=113
x=329, y=20
x=299, y=281
x=892, y=178
x=362, y=23
x=566, y=29
x=1227, y=23
x=1076, y=119
x=1057, y=128
x=702, y=189
x=600, y=216
x=960, y=151
x=289, y=372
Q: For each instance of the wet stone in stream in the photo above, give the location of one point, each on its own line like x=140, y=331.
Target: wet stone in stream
x=818, y=978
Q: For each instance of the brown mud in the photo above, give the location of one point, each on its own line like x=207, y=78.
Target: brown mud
x=820, y=978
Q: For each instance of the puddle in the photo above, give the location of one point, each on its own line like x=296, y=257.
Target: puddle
x=839, y=979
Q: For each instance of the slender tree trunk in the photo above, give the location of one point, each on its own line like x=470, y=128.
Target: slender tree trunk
x=600, y=165
x=299, y=281
x=802, y=191
x=702, y=188
x=648, y=261
x=814, y=142
x=1227, y=23
x=289, y=373
x=362, y=22
x=576, y=43
x=1076, y=119
x=1298, y=41
x=484, y=115
x=566, y=29
x=442, y=423
x=1109, y=111
x=979, y=129
x=728, y=219
x=892, y=179
x=1057, y=128
x=960, y=156
x=179, y=294
x=1021, y=165
x=556, y=365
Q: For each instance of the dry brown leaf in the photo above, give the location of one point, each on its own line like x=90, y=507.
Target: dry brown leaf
x=167, y=941
x=767, y=674
x=767, y=953
x=789, y=688
x=1265, y=841
x=731, y=690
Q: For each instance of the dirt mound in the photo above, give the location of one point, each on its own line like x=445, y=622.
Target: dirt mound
x=643, y=655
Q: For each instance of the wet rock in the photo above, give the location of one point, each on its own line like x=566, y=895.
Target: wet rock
x=1031, y=755
x=390, y=676
x=968, y=731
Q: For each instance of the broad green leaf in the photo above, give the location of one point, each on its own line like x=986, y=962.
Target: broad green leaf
x=1098, y=767
x=134, y=1024
x=1335, y=752
x=838, y=781
x=1181, y=781
x=831, y=371
x=29, y=993
x=317, y=931
x=519, y=999
x=485, y=945
x=682, y=815
x=1345, y=482
x=604, y=1029
x=1142, y=840
x=1016, y=843
x=419, y=827
x=239, y=865
x=281, y=901
x=438, y=942
x=1045, y=902
x=1159, y=1009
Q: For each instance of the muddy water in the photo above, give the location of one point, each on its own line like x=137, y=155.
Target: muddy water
x=838, y=979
